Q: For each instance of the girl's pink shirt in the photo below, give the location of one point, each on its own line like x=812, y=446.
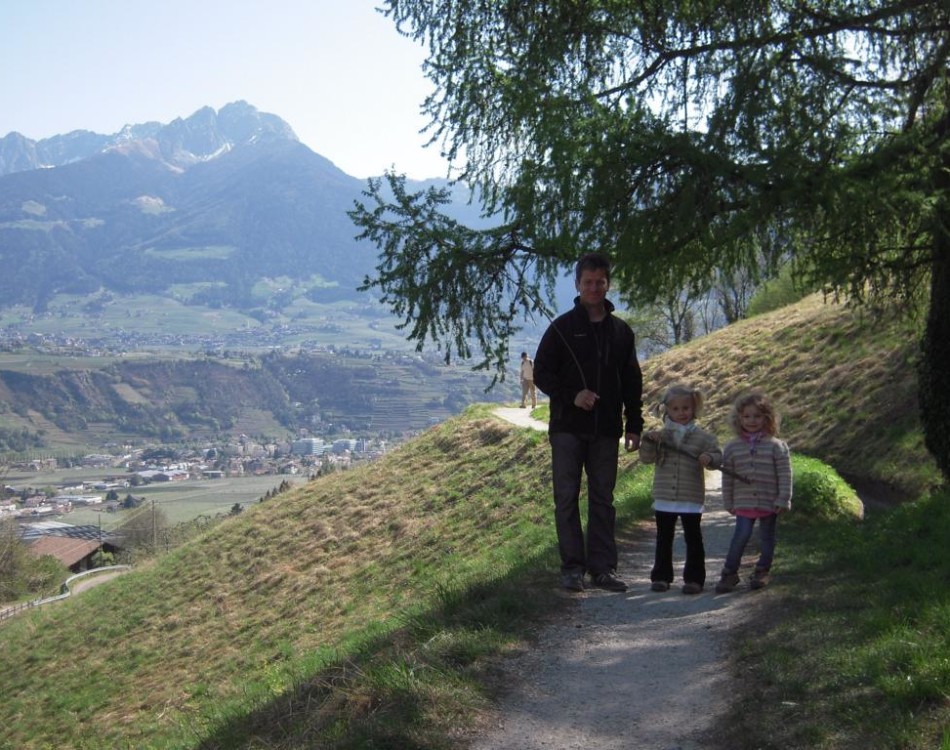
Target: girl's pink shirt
x=754, y=513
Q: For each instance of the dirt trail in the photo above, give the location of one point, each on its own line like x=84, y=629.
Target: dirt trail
x=95, y=580
x=81, y=583
x=637, y=670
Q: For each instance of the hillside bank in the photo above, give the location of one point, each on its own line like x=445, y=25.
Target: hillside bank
x=372, y=607
x=843, y=378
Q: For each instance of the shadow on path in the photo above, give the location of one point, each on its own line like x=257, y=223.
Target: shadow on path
x=638, y=670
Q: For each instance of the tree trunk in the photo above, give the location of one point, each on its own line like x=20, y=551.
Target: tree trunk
x=934, y=370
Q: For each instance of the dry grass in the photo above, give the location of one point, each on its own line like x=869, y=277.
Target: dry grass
x=364, y=608
x=291, y=588
x=843, y=378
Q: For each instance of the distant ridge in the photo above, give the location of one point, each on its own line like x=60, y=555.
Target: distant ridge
x=211, y=210
x=182, y=142
x=202, y=209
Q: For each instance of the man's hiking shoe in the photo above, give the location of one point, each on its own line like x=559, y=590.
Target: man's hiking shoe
x=573, y=580
x=608, y=580
x=659, y=586
x=691, y=587
x=727, y=583
x=760, y=579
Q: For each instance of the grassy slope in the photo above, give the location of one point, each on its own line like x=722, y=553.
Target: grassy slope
x=362, y=603
x=851, y=650
x=293, y=589
x=843, y=380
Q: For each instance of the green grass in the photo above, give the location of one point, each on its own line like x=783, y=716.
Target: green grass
x=821, y=494
x=853, y=650
x=363, y=609
x=369, y=608
x=186, y=500
x=179, y=501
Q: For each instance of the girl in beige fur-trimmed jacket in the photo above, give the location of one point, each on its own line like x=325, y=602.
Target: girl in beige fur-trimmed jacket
x=681, y=451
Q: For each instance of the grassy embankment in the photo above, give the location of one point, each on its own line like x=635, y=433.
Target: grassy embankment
x=370, y=595
x=366, y=609
x=853, y=648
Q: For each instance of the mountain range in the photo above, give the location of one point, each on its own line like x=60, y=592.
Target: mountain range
x=202, y=207
x=181, y=143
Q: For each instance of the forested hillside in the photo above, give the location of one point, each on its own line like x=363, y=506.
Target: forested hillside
x=198, y=398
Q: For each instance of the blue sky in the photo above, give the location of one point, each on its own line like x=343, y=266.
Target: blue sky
x=336, y=70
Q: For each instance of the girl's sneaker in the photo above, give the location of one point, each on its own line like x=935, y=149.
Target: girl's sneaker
x=760, y=578
x=727, y=582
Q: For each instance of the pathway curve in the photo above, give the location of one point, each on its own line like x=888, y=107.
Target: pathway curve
x=520, y=417
x=638, y=670
x=73, y=585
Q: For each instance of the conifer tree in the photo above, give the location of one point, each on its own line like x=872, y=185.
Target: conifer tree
x=680, y=138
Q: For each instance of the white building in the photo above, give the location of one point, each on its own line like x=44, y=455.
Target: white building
x=309, y=447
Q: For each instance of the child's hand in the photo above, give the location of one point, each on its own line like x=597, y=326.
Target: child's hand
x=705, y=459
x=653, y=435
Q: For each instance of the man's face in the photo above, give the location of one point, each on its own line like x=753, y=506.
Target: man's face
x=592, y=287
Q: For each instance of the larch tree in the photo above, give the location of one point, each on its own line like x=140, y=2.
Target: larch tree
x=682, y=138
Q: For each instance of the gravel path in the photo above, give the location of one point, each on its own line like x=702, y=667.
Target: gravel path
x=637, y=670
x=95, y=580
x=74, y=584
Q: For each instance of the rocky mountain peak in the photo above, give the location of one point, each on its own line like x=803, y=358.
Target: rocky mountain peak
x=181, y=143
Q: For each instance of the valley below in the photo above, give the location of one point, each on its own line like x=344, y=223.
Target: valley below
x=151, y=371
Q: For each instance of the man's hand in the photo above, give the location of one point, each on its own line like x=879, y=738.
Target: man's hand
x=585, y=400
x=631, y=442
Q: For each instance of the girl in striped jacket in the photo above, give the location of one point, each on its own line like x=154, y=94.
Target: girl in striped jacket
x=756, y=455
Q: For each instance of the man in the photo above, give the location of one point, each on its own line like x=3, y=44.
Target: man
x=527, y=381
x=587, y=364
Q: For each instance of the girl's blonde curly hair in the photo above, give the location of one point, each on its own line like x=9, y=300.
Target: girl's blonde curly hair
x=761, y=402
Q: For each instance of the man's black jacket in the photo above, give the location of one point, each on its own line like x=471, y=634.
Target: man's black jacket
x=604, y=361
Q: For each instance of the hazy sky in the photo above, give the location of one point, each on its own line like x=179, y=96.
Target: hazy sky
x=336, y=71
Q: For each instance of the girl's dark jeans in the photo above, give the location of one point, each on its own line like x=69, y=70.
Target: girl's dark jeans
x=694, y=571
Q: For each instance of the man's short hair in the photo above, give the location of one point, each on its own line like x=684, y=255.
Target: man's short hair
x=524, y=354
x=592, y=262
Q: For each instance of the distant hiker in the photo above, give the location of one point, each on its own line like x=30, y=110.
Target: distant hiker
x=681, y=450
x=759, y=455
x=587, y=364
x=527, y=381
